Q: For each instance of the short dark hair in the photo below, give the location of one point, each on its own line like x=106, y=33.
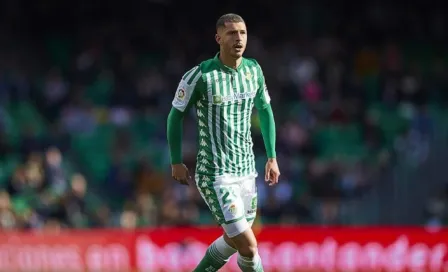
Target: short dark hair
x=229, y=18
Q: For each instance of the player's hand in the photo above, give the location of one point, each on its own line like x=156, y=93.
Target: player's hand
x=272, y=172
x=180, y=173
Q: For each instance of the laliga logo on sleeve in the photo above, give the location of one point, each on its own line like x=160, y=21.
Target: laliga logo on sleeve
x=181, y=94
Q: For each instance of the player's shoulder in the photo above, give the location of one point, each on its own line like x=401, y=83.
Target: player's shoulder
x=208, y=65
x=192, y=75
x=251, y=62
x=200, y=69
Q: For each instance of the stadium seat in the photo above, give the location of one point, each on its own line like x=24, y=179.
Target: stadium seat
x=7, y=168
x=24, y=112
x=390, y=122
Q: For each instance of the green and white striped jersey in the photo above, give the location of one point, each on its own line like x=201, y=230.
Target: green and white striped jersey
x=224, y=98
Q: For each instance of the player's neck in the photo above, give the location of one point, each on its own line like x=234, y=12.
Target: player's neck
x=230, y=61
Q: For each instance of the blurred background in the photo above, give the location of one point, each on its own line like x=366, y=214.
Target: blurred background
x=359, y=93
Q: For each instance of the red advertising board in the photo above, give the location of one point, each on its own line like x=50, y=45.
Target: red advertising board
x=180, y=249
x=305, y=249
x=71, y=251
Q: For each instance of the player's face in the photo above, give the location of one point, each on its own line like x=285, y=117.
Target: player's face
x=233, y=39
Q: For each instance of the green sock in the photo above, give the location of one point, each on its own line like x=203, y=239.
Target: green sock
x=212, y=261
x=217, y=255
x=247, y=264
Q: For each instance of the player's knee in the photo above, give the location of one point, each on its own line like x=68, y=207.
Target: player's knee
x=248, y=251
x=246, y=243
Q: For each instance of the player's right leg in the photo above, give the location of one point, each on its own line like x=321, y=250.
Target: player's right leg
x=225, y=201
x=220, y=251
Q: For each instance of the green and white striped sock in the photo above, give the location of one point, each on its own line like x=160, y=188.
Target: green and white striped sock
x=247, y=264
x=216, y=256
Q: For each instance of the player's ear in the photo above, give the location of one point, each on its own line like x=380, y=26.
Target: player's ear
x=218, y=38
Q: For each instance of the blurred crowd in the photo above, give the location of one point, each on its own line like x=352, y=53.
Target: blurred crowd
x=83, y=111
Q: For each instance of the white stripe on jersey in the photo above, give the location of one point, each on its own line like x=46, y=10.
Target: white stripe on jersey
x=210, y=120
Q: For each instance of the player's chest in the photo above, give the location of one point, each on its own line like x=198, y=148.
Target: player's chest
x=231, y=87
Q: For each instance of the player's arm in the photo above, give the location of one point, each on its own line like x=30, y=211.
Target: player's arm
x=267, y=125
x=267, y=122
x=188, y=92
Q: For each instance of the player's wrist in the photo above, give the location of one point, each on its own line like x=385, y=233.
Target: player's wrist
x=272, y=159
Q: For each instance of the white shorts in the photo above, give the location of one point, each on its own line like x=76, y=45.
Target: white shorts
x=232, y=201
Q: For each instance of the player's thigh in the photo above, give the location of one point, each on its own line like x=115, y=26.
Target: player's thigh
x=224, y=200
x=249, y=196
x=246, y=242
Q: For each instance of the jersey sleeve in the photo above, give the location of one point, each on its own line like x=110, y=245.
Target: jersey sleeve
x=189, y=89
x=262, y=98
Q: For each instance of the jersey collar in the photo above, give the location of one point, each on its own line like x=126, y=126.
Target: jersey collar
x=227, y=68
